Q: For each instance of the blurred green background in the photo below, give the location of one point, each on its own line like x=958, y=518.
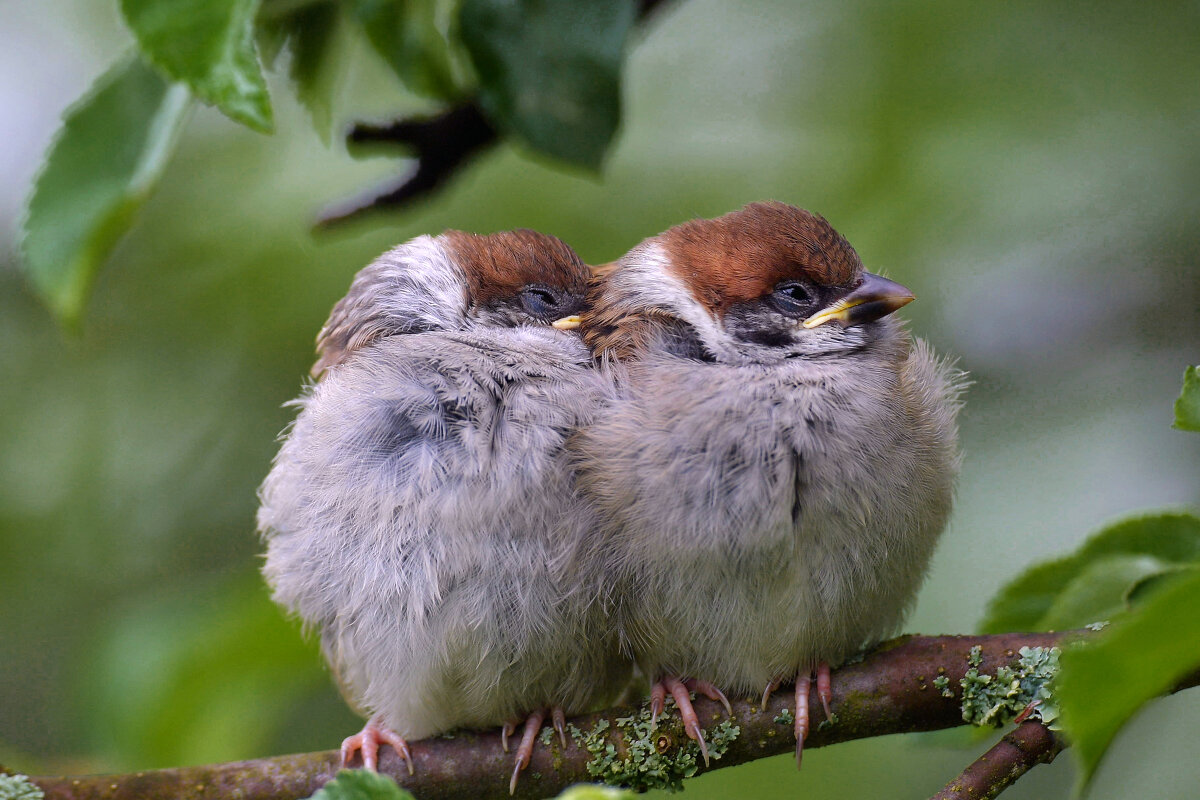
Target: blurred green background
x=1031, y=170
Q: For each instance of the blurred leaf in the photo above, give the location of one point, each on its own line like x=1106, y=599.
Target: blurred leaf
x=1139, y=591
x=1022, y=605
x=208, y=44
x=361, y=784
x=1100, y=591
x=405, y=34
x=106, y=159
x=316, y=66
x=550, y=71
x=1105, y=679
x=594, y=791
x=1187, y=407
x=199, y=674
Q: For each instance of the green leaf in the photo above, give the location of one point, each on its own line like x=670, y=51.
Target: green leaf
x=209, y=45
x=1022, y=605
x=406, y=36
x=1100, y=591
x=361, y=784
x=1105, y=679
x=103, y=164
x=316, y=62
x=199, y=674
x=594, y=791
x=550, y=71
x=1187, y=407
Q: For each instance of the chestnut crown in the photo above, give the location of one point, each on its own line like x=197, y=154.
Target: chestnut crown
x=455, y=281
x=754, y=285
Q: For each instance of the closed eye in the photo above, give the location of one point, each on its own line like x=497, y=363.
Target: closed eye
x=794, y=299
x=541, y=302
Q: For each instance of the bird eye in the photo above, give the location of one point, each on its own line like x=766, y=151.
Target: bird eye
x=793, y=298
x=540, y=302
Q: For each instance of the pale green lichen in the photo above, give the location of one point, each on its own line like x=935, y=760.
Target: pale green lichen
x=827, y=723
x=997, y=699
x=546, y=736
x=785, y=717
x=652, y=757
x=942, y=684
x=19, y=787
x=1097, y=626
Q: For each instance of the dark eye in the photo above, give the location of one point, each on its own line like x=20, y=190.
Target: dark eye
x=793, y=298
x=540, y=302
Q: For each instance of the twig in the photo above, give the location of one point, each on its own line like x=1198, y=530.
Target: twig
x=889, y=691
x=441, y=145
x=1020, y=750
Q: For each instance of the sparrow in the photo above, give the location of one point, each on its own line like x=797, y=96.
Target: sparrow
x=776, y=462
x=421, y=511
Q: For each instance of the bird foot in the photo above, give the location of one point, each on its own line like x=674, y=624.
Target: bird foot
x=533, y=725
x=680, y=691
x=368, y=740
x=824, y=694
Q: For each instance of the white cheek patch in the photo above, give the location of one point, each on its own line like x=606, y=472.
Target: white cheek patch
x=426, y=284
x=646, y=281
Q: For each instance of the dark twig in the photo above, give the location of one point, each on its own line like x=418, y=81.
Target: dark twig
x=1020, y=750
x=890, y=691
x=441, y=145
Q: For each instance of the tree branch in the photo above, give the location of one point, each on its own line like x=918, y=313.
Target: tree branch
x=1020, y=750
x=890, y=691
x=441, y=145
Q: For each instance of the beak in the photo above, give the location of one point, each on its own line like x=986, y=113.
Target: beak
x=567, y=323
x=875, y=297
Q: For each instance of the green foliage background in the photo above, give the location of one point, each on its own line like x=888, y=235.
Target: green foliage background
x=1030, y=170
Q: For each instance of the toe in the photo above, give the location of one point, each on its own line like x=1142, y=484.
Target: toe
x=525, y=748
x=691, y=723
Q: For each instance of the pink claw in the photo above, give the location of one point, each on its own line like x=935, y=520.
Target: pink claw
x=658, y=700
x=802, y=683
x=767, y=692
x=560, y=724
x=368, y=740
x=824, y=693
x=525, y=749
x=710, y=691
x=691, y=722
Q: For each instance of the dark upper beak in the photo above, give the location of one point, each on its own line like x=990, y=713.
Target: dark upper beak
x=874, y=298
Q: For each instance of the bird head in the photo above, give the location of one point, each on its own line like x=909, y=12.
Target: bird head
x=455, y=282
x=768, y=282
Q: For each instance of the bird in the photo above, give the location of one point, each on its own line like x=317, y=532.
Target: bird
x=421, y=511
x=776, y=460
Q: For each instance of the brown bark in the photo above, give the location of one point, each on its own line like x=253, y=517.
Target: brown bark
x=889, y=691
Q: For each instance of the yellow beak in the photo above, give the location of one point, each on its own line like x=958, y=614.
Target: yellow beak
x=874, y=298
x=567, y=323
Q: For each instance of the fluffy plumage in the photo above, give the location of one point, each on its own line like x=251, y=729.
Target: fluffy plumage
x=421, y=509
x=771, y=494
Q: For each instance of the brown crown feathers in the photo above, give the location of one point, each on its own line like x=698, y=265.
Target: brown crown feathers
x=495, y=266
x=735, y=258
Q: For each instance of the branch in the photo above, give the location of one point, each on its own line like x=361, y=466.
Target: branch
x=1019, y=751
x=441, y=145
x=889, y=691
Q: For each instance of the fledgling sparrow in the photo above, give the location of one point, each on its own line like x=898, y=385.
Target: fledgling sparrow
x=421, y=510
x=779, y=459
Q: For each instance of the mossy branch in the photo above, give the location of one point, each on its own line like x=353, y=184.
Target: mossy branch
x=912, y=683
x=1018, y=751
